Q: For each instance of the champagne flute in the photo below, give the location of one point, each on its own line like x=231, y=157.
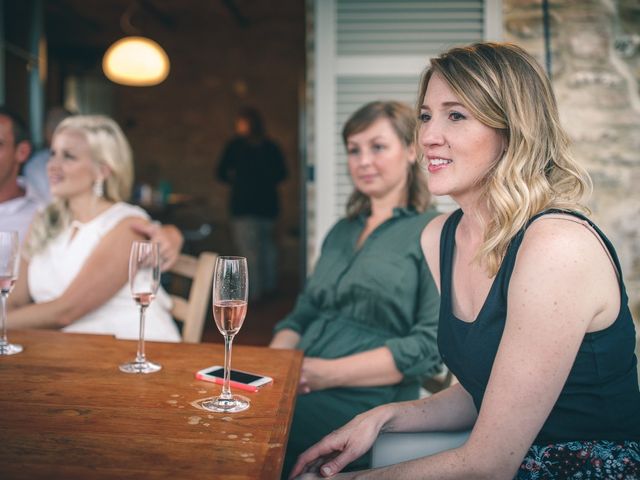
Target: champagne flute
x=230, y=288
x=144, y=278
x=9, y=256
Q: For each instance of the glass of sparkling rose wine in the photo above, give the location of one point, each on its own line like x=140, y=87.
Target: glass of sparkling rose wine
x=144, y=279
x=9, y=257
x=230, y=288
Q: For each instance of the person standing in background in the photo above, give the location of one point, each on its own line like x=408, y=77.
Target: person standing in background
x=253, y=165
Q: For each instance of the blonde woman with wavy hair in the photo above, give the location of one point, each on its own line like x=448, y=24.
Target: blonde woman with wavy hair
x=112, y=157
x=74, y=274
x=536, y=170
x=534, y=317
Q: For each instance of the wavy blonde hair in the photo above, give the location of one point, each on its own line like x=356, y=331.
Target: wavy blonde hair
x=109, y=147
x=404, y=123
x=506, y=89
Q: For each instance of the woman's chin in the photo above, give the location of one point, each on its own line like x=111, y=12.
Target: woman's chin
x=55, y=193
x=63, y=194
x=439, y=192
x=437, y=188
x=58, y=193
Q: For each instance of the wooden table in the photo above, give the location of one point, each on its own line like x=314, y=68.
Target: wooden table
x=67, y=412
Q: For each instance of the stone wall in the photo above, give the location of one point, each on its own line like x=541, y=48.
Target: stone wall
x=595, y=49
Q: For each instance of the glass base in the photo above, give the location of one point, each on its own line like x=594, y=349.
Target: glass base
x=237, y=403
x=140, y=367
x=10, y=349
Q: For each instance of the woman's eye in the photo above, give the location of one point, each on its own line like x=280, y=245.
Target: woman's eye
x=456, y=116
x=352, y=151
x=424, y=117
x=377, y=147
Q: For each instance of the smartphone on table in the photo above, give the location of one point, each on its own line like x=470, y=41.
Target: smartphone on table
x=237, y=378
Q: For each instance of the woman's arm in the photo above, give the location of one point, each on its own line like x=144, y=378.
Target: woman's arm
x=365, y=369
x=286, y=339
x=449, y=410
x=306, y=311
x=20, y=294
x=103, y=274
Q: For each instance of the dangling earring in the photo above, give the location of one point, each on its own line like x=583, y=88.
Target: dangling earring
x=98, y=188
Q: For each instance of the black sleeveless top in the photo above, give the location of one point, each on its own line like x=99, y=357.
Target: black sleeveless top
x=600, y=399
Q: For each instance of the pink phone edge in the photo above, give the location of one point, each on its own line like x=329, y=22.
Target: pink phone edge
x=232, y=383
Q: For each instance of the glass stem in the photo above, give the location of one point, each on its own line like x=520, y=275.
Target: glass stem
x=3, y=309
x=140, y=357
x=226, y=390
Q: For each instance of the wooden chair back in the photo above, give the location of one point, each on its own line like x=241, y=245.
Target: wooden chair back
x=192, y=311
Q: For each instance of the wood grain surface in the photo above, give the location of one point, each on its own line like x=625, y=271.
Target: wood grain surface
x=67, y=412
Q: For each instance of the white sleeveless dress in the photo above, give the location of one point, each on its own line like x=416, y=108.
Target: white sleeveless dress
x=52, y=270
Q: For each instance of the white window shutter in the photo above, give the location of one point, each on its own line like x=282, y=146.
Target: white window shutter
x=365, y=50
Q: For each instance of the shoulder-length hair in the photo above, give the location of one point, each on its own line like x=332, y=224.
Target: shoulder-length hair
x=109, y=147
x=506, y=89
x=403, y=120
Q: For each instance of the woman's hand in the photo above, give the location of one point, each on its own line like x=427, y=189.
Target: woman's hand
x=168, y=237
x=285, y=339
x=317, y=476
x=317, y=374
x=343, y=446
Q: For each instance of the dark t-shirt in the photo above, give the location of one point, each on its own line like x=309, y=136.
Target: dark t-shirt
x=600, y=399
x=253, y=169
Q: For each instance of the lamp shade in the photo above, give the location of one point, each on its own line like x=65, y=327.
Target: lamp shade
x=136, y=61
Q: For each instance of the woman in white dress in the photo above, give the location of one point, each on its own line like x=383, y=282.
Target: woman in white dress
x=74, y=271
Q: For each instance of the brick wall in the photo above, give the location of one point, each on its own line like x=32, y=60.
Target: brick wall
x=178, y=129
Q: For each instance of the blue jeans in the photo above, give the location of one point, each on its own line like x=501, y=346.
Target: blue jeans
x=253, y=237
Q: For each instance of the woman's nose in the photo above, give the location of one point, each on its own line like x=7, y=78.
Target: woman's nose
x=431, y=134
x=364, y=158
x=52, y=163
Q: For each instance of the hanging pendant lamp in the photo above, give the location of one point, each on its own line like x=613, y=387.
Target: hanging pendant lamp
x=136, y=61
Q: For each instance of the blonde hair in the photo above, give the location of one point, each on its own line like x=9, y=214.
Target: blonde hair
x=403, y=121
x=506, y=89
x=109, y=147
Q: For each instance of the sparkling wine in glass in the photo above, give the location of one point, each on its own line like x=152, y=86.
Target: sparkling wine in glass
x=230, y=288
x=9, y=257
x=144, y=279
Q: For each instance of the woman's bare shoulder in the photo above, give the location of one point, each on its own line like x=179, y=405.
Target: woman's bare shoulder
x=564, y=233
x=432, y=229
x=430, y=243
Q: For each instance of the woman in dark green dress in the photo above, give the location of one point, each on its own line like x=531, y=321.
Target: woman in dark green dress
x=367, y=317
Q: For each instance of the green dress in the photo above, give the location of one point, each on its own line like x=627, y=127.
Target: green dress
x=359, y=299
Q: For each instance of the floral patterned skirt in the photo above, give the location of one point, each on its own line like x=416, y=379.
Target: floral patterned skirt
x=582, y=460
